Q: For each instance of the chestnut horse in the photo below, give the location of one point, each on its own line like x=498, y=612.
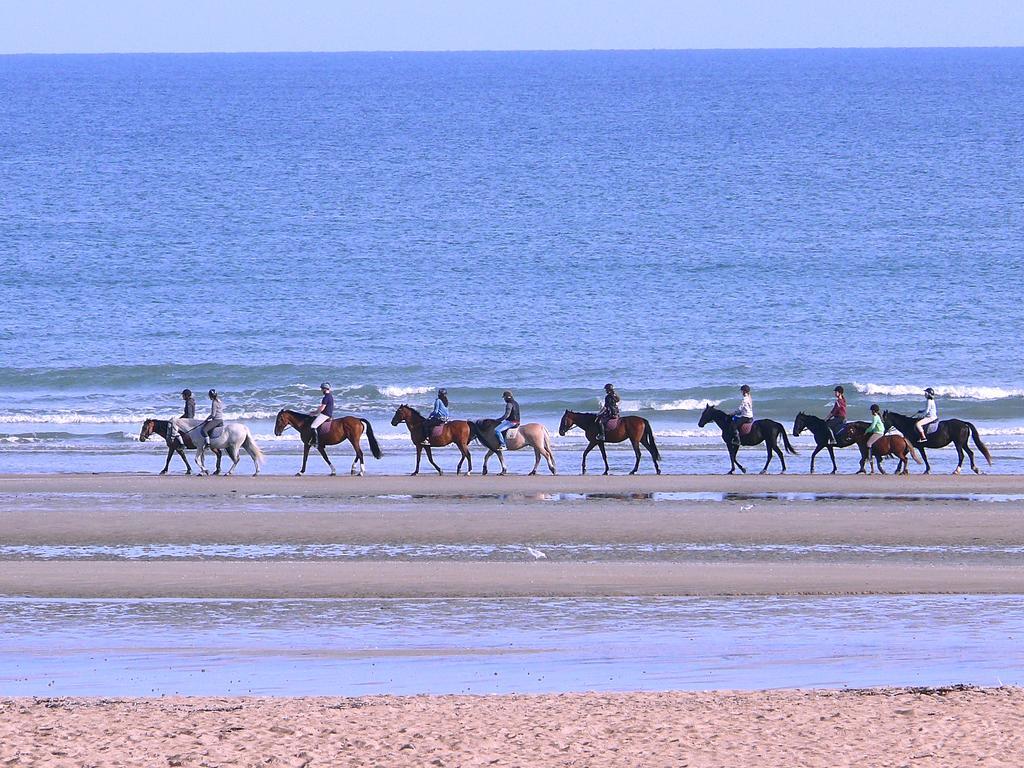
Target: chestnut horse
x=761, y=429
x=636, y=429
x=458, y=431
x=953, y=431
x=888, y=445
x=346, y=428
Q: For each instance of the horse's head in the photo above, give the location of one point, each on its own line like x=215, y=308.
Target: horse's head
x=707, y=415
x=401, y=414
x=567, y=423
x=281, y=423
x=800, y=424
x=887, y=420
x=148, y=428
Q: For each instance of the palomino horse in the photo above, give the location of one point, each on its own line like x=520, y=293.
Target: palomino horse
x=949, y=431
x=760, y=430
x=636, y=429
x=533, y=434
x=233, y=438
x=346, y=428
x=459, y=432
x=850, y=434
x=888, y=445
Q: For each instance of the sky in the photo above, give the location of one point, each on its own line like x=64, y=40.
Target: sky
x=124, y=26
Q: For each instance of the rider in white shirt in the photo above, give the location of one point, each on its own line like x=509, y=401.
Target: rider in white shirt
x=928, y=414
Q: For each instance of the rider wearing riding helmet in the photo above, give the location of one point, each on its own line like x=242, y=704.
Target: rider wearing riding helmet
x=439, y=415
x=875, y=429
x=928, y=414
x=609, y=411
x=216, y=417
x=509, y=419
x=324, y=412
x=836, y=420
x=742, y=415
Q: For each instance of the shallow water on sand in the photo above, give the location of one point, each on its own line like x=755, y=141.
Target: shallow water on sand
x=350, y=647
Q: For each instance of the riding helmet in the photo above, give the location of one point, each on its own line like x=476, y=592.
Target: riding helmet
x=186, y=393
x=506, y=395
x=929, y=391
x=212, y=393
x=609, y=388
x=325, y=385
x=839, y=389
x=745, y=389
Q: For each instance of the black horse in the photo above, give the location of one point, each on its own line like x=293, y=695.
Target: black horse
x=822, y=436
x=953, y=431
x=764, y=430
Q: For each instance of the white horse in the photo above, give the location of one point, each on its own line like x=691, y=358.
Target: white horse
x=233, y=437
x=533, y=434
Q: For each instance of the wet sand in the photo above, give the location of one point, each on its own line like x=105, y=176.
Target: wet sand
x=930, y=513
x=880, y=727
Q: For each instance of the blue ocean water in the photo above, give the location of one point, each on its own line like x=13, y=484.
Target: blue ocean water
x=676, y=222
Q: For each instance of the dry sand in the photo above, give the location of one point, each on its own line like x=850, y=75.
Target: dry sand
x=976, y=727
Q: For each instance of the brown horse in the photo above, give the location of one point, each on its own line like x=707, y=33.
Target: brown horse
x=346, y=428
x=636, y=429
x=889, y=445
x=459, y=432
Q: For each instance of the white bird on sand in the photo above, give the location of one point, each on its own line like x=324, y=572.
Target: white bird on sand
x=536, y=553
x=746, y=507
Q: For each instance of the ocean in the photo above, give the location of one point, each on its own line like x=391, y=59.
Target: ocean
x=678, y=223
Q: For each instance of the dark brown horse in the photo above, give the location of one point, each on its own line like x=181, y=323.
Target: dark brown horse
x=851, y=432
x=888, y=445
x=764, y=430
x=636, y=429
x=346, y=428
x=458, y=431
x=949, y=431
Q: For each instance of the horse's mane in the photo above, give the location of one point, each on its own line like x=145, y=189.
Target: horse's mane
x=415, y=412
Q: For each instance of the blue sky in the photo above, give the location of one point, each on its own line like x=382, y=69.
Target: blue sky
x=84, y=26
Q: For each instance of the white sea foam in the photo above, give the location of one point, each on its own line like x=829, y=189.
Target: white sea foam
x=686, y=404
x=396, y=391
x=958, y=392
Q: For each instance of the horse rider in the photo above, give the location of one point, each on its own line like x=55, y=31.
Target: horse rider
x=875, y=429
x=609, y=411
x=439, y=415
x=742, y=415
x=188, y=413
x=928, y=414
x=324, y=412
x=836, y=420
x=509, y=419
x=215, y=419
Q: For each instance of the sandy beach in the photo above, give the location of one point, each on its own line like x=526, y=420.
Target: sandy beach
x=880, y=727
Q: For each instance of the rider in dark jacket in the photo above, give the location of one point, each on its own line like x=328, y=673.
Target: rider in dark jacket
x=509, y=419
x=608, y=412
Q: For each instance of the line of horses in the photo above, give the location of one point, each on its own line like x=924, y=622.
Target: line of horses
x=235, y=438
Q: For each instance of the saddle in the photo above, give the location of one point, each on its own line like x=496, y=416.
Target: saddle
x=745, y=428
x=612, y=423
x=930, y=429
x=437, y=431
x=325, y=428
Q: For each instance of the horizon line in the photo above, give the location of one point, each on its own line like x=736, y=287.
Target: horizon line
x=517, y=50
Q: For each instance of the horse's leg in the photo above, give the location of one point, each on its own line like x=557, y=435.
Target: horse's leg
x=188, y=467
x=305, y=458
x=959, y=456
x=832, y=455
x=236, y=456
x=970, y=454
x=167, y=464
x=486, y=457
x=604, y=455
x=323, y=452
x=419, y=451
x=501, y=460
x=782, y=456
x=768, y=448
x=636, y=450
x=814, y=453
x=881, y=469
x=587, y=450
x=648, y=444
x=468, y=457
x=354, y=439
x=430, y=458
x=536, y=460
x=924, y=458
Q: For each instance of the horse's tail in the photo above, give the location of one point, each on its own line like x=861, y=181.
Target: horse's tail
x=547, y=445
x=913, y=451
x=253, y=450
x=648, y=438
x=374, y=445
x=981, y=445
x=785, y=439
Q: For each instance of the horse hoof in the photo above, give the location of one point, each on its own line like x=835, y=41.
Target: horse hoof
x=413, y=474
x=657, y=471
x=164, y=472
x=503, y=473
x=334, y=474
x=533, y=473
x=484, y=472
